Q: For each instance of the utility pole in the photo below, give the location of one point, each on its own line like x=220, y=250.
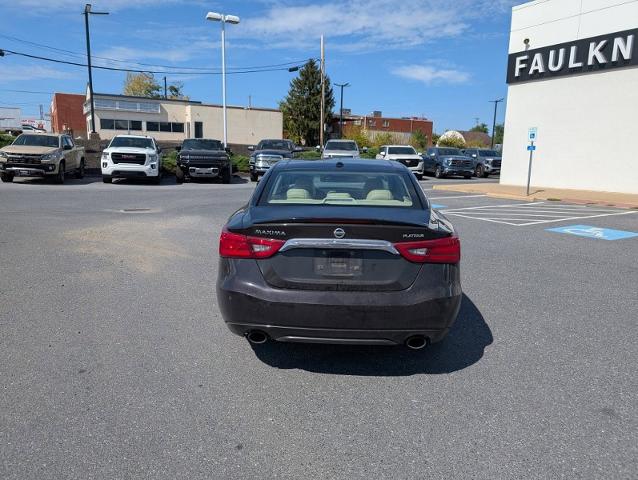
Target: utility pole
x=87, y=12
x=41, y=112
x=165, y=93
x=476, y=119
x=495, y=102
x=250, y=102
x=341, y=85
x=323, y=93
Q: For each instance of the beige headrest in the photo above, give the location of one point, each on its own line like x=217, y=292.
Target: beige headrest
x=379, y=195
x=297, y=194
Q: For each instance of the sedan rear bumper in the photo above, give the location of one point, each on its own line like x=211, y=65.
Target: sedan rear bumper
x=428, y=308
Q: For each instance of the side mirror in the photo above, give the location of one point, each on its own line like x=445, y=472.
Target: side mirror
x=227, y=149
x=318, y=148
x=433, y=155
x=365, y=149
x=382, y=154
x=419, y=153
x=67, y=147
x=178, y=148
x=474, y=155
x=251, y=148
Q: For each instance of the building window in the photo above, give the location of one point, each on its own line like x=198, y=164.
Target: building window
x=357, y=122
x=372, y=123
x=386, y=123
x=106, y=124
x=136, y=125
x=121, y=124
x=165, y=127
x=152, y=127
x=177, y=127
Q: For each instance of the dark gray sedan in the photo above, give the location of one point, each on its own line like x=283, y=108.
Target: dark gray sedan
x=339, y=251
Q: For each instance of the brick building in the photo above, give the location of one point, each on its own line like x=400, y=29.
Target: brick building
x=372, y=125
x=67, y=114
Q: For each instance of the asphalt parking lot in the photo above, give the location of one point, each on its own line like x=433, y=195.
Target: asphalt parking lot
x=115, y=362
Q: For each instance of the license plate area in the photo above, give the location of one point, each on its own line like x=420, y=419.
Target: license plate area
x=338, y=263
x=203, y=171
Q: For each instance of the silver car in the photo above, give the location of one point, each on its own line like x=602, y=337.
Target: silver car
x=341, y=148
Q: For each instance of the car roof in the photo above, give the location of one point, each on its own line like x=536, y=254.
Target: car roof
x=347, y=164
x=398, y=146
x=344, y=140
x=133, y=136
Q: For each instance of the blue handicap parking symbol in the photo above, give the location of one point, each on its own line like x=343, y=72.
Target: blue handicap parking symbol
x=531, y=148
x=594, y=232
x=437, y=206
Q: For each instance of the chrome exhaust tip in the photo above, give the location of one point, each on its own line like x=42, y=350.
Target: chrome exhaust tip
x=417, y=342
x=257, y=337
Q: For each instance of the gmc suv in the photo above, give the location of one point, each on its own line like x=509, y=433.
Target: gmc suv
x=444, y=161
x=486, y=162
x=132, y=156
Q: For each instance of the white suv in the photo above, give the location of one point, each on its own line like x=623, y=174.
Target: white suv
x=404, y=154
x=132, y=156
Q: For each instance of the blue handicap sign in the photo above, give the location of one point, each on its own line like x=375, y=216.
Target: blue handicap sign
x=437, y=206
x=531, y=148
x=594, y=232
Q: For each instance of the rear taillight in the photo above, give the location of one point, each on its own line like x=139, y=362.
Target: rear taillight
x=440, y=250
x=235, y=245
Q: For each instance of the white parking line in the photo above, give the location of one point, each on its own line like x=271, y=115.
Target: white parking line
x=533, y=213
x=457, y=196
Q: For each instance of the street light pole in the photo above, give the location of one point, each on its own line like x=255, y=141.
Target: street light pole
x=323, y=94
x=87, y=12
x=341, y=85
x=495, y=102
x=223, y=19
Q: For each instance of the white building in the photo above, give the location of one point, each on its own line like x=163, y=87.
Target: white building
x=175, y=120
x=573, y=75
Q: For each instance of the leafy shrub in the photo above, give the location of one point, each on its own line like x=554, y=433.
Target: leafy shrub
x=6, y=140
x=169, y=162
x=308, y=155
x=371, y=153
x=240, y=163
x=356, y=133
x=419, y=140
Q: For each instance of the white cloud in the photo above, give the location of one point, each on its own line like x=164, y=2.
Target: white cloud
x=12, y=73
x=364, y=25
x=429, y=74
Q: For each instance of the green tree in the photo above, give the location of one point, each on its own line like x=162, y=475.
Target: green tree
x=356, y=133
x=481, y=127
x=142, y=85
x=419, y=140
x=435, y=138
x=302, y=106
x=176, y=91
x=499, y=131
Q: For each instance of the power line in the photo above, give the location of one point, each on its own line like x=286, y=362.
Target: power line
x=133, y=70
x=195, y=69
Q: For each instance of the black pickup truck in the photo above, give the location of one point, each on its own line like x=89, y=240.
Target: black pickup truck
x=202, y=158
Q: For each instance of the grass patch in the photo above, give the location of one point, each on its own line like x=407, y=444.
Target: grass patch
x=308, y=155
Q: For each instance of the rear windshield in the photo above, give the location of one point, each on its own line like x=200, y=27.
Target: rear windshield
x=347, y=146
x=132, y=142
x=372, y=189
x=37, y=141
x=202, y=145
x=401, y=151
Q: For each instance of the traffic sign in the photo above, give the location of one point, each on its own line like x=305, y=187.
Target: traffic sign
x=532, y=134
x=531, y=148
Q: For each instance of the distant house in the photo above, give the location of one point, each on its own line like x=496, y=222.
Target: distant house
x=477, y=139
x=374, y=124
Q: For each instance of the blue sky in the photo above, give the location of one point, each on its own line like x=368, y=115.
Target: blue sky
x=441, y=59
